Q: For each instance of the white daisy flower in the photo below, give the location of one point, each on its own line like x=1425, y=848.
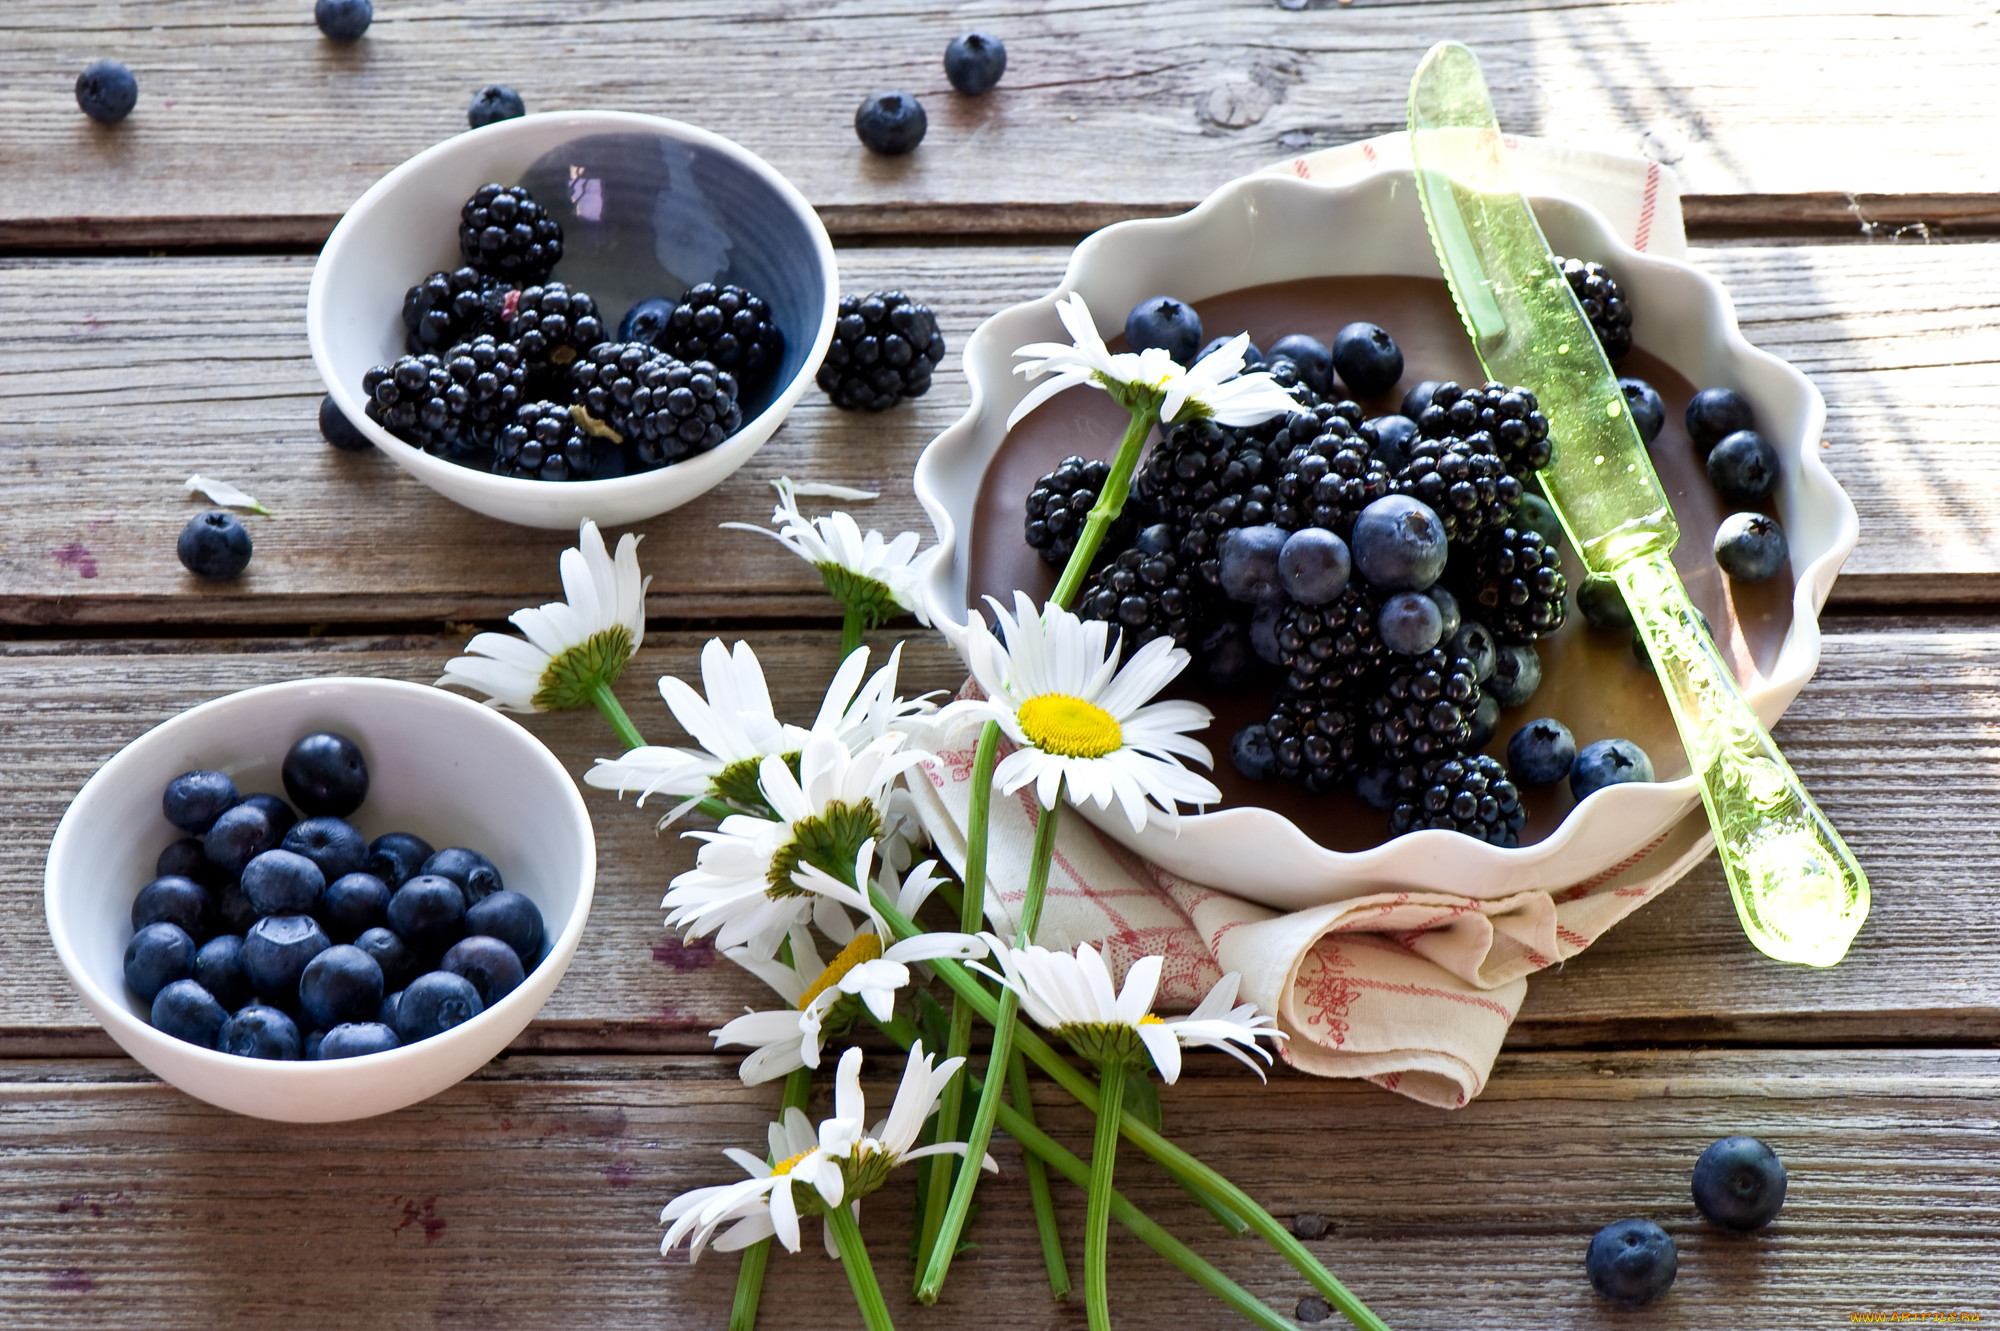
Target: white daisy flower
x=870, y=1156
x=767, y=1203
x=864, y=572
x=1071, y=995
x=573, y=647
x=1215, y=386
x=1080, y=720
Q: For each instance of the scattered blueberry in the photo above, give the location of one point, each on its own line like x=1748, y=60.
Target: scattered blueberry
x=175, y=900
x=469, y=869
x=342, y=984
x=1252, y=357
x=325, y=774
x=276, y=950
x=218, y=968
x=353, y=904
x=194, y=800
x=1249, y=565
x=1743, y=467
x=396, y=857
x=1739, y=1183
x=494, y=103
x=214, y=546
x=1393, y=437
x=189, y=1012
x=1367, y=359
x=239, y=836
x=1314, y=565
x=158, y=955
x=1410, y=623
x=1377, y=788
x=1162, y=321
x=1541, y=752
x=1224, y=659
x=1419, y=397
x=511, y=918
x=1750, y=547
x=1311, y=357
x=1398, y=544
x=1252, y=753
x=392, y=954
x=1485, y=721
x=975, y=62
x=182, y=859
x=107, y=92
x=336, y=429
x=353, y=1039
x=1539, y=515
x=1649, y=414
x=1713, y=414
x=494, y=967
x=1474, y=642
x=1607, y=762
x=331, y=843
x=646, y=321
x=283, y=817
x=343, y=20
x=891, y=123
x=428, y=911
x=283, y=882
x=1603, y=604
x=1517, y=673
x=258, y=1031
x=434, y=1003
x=1631, y=1262
x=1264, y=635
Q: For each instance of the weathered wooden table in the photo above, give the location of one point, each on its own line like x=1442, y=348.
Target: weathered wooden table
x=152, y=293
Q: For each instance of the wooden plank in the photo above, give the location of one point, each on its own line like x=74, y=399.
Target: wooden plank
x=119, y=378
x=1894, y=736
x=1868, y=99
x=530, y=1195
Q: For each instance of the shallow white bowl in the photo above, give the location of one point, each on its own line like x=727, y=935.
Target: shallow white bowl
x=1268, y=229
x=442, y=766
x=649, y=207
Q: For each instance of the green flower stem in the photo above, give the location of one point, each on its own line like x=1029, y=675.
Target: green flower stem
x=1110, y=502
x=852, y=624
x=1004, y=1025
x=860, y=1272
x=750, y=1275
x=716, y=809
x=1097, y=1209
x=1038, y=1179
x=607, y=703
x=971, y=918
x=1176, y=1161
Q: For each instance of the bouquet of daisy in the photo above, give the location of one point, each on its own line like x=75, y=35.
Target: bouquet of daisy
x=815, y=849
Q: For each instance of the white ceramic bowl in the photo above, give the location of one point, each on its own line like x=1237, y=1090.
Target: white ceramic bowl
x=649, y=207
x=1270, y=229
x=442, y=766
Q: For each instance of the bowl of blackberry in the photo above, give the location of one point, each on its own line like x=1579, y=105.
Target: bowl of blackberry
x=1414, y=687
x=321, y=900
x=580, y=314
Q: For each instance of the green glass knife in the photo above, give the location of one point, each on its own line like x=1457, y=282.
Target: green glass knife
x=1798, y=890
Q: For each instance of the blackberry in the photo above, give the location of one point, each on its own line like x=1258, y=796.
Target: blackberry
x=1060, y=502
x=1194, y=464
x=1145, y=593
x=488, y=382
x=680, y=409
x=1425, y=710
x=1329, y=480
x=885, y=346
x=605, y=379
x=1201, y=540
x=1332, y=648
x=1515, y=578
x=728, y=327
x=408, y=400
x=504, y=233
x=552, y=323
x=1470, y=490
x=1470, y=795
x=1493, y=418
x=1316, y=742
x=545, y=442
x=1603, y=302
x=448, y=308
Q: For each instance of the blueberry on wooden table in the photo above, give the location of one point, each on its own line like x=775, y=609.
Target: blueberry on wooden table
x=326, y=775
x=187, y=1011
x=494, y=103
x=1631, y=1261
x=214, y=546
x=260, y=1031
x=336, y=429
x=1739, y=1183
x=106, y=91
x=1366, y=358
x=194, y=800
x=343, y=20
x=511, y=918
x=434, y=1003
x=974, y=63
x=331, y=843
x=240, y=835
x=1163, y=322
x=469, y=869
x=156, y=956
x=890, y=123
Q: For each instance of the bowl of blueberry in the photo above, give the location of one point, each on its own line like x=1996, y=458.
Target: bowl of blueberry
x=579, y=314
x=1414, y=685
x=323, y=899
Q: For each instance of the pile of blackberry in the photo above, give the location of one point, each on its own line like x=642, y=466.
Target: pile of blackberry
x=885, y=347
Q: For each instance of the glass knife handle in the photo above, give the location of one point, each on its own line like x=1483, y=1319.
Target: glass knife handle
x=1798, y=890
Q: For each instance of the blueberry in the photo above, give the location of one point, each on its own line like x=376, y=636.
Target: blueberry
x=1649, y=414
x=325, y=774
x=494, y=103
x=1248, y=567
x=1252, y=753
x=396, y=857
x=314, y=1039
x=1419, y=397
x=214, y=546
x=434, y=1003
x=259, y=1031
x=183, y=859
x=1631, y=1262
x=1393, y=437
x=353, y=904
x=233, y=911
x=1538, y=515
x=511, y=918
x=1264, y=634
x=1715, y=413
x=1162, y=321
x=353, y=1039
x=275, y=953
x=392, y=954
x=218, y=968
x=1484, y=722
x=1310, y=357
x=175, y=900
x=1541, y=752
x=158, y=955
x=1314, y=565
x=1607, y=762
x=1750, y=547
x=1252, y=357
x=646, y=321
x=1447, y=605
x=282, y=815
x=1739, y=1183
x=429, y=912
x=1399, y=544
x=891, y=123
x=1517, y=673
x=336, y=429
x=343, y=20
x=1410, y=623
x=283, y=882
x=469, y=869
x=188, y=1012
x=1223, y=659
x=341, y=984
x=194, y=800
x=493, y=967
x=1603, y=604
x=1474, y=642
x=107, y=92
x=386, y=1015
x=975, y=62
x=1744, y=467
x=1367, y=359
x=239, y=836
x=331, y=843
x=1377, y=788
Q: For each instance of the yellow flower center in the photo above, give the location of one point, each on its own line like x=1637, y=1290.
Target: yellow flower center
x=1069, y=727
x=785, y=1165
x=865, y=947
x=1150, y=1020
